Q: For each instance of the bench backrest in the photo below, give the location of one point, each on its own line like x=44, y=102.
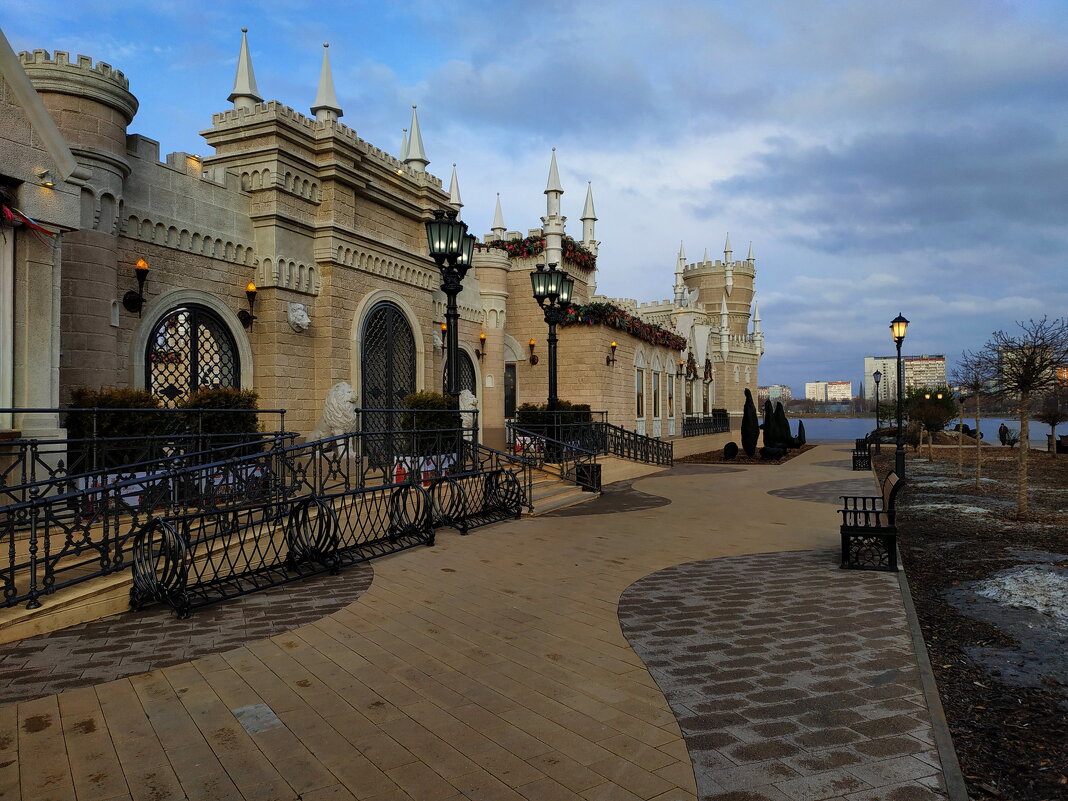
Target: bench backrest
x=890, y=487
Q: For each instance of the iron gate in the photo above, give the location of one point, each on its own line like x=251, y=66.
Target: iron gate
x=190, y=348
x=387, y=375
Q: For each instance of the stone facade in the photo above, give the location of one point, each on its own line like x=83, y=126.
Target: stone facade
x=309, y=213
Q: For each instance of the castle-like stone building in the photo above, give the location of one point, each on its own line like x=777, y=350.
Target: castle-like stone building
x=329, y=231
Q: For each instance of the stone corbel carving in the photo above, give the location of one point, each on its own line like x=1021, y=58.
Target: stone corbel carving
x=299, y=320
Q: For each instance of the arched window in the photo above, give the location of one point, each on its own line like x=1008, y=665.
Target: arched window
x=190, y=348
x=387, y=369
x=467, y=375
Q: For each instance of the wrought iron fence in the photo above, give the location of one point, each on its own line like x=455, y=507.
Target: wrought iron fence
x=569, y=460
x=697, y=425
x=63, y=538
x=34, y=467
x=636, y=447
x=193, y=560
x=523, y=469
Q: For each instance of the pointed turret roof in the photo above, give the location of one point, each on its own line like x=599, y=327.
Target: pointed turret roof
x=454, y=191
x=706, y=255
x=750, y=256
x=682, y=253
x=415, y=155
x=326, y=106
x=554, y=177
x=587, y=212
x=245, y=80
x=727, y=244
x=723, y=305
x=756, y=312
x=404, y=144
x=498, y=216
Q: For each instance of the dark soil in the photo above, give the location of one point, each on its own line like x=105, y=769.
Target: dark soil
x=1002, y=671
x=716, y=457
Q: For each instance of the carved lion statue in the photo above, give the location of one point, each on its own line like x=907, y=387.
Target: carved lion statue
x=298, y=317
x=339, y=414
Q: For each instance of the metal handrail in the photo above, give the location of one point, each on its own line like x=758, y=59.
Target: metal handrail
x=565, y=457
x=637, y=447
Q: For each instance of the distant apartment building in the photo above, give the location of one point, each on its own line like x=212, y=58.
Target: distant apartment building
x=838, y=391
x=776, y=393
x=920, y=371
x=829, y=391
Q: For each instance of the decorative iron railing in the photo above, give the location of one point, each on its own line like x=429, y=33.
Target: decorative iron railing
x=568, y=460
x=35, y=467
x=63, y=538
x=636, y=447
x=197, y=559
x=697, y=425
x=599, y=437
x=523, y=469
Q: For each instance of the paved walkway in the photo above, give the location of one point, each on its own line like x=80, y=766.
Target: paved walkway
x=491, y=666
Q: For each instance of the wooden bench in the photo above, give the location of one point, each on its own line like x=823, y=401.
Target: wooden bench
x=862, y=454
x=869, y=535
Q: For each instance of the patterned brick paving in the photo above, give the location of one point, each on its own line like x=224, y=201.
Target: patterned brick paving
x=135, y=642
x=790, y=679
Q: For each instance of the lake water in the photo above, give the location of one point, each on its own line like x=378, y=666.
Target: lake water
x=851, y=428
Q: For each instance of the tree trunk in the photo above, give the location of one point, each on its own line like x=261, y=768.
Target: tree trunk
x=960, y=442
x=978, y=445
x=1025, y=450
x=1053, y=440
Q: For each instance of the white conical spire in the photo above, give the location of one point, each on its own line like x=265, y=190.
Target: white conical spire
x=727, y=249
x=245, y=94
x=416, y=156
x=326, y=106
x=756, y=315
x=554, y=177
x=750, y=258
x=680, y=285
x=729, y=272
x=705, y=260
x=498, y=220
x=454, y=191
x=404, y=144
x=587, y=211
x=589, y=216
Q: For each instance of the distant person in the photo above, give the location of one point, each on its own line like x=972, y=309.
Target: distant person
x=1003, y=434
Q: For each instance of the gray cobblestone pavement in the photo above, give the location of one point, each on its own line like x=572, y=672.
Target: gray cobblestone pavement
x=791, y=679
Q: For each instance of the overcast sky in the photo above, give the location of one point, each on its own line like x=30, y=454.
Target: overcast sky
x=883, y=157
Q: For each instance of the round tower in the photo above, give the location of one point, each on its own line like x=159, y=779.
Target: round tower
x=92, y=106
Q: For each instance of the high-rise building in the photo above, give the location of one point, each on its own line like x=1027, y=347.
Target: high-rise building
x=776, y=393
x=838, y=391
x=920, y=371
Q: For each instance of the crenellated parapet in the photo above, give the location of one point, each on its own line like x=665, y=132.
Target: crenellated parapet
x=97, y=81
x=276, y=113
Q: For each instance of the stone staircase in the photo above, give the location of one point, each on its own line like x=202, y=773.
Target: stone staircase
x=552, y=492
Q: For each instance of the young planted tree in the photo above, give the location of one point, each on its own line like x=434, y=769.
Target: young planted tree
x=974, y=376
x=750, y=426
x=1053, y=411
x=932, y=408
x=1026, y=363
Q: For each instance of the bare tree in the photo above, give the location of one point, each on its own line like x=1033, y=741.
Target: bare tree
x=974, y=375
x=1053, y=411
x=1027, y=363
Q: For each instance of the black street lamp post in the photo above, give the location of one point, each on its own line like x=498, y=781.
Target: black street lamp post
x=878, y=376
x=898, y=326
x=452, y=248
x=552, y=290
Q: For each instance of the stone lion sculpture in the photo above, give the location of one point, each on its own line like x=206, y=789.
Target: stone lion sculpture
x=468, y=403
x=299, y=320
x=339, y=413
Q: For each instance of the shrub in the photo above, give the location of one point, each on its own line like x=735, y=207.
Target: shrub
x=730, y=450
x=431, y=412
x=750, y=427
x=220, y=429
x=801, y=439
x=1012, y=437
x=134, y=429
x=532, y=413
x=782, y=428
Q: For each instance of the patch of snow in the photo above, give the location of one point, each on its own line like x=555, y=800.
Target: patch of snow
x=952, y=507
x=1044, y=589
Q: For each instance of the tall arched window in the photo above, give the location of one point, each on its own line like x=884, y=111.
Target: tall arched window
x=467, y=374
x=190, y=348
x=387, y=368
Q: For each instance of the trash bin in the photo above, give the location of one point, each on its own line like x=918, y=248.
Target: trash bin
x=588, y=477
